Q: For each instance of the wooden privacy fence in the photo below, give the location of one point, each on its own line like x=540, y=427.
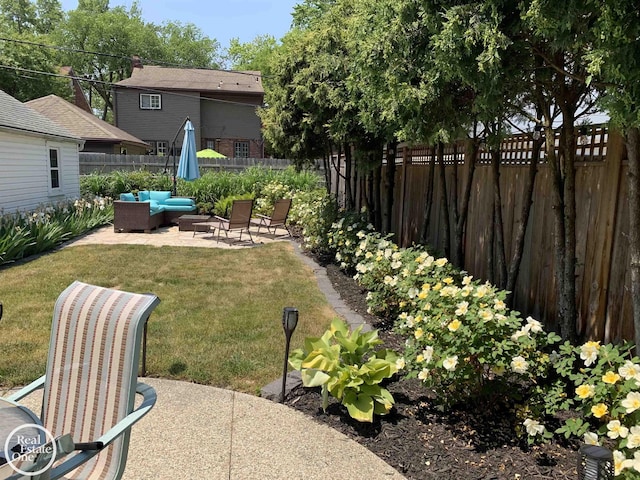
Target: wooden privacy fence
x=105, y=163
x=602, y=225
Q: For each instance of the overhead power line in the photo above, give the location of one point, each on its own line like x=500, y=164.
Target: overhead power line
x=120, y=57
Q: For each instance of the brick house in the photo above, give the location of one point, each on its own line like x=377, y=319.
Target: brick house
x=153, y=103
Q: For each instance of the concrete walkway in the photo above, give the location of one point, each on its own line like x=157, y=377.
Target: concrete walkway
x=198, y=432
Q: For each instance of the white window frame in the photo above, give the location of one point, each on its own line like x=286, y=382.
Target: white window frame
x=241, y=149
x=162, y=148
x=153, y=101
x=54, y=169
x=211, y=144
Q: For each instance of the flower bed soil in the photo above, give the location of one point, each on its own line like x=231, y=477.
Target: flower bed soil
x=471, y=442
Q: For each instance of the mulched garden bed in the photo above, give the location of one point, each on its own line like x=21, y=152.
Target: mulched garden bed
x=473, y=442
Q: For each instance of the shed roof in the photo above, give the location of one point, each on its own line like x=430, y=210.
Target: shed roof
x=82, y=123
x=165, y=78
x=18, y=116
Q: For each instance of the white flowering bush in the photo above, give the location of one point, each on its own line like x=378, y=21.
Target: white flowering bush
x=463, y=342
x=27, y=233
x=345, y=235
x=269, y=194
x=314, y=212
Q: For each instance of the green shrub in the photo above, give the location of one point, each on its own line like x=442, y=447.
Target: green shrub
x=222, y=207
x=347, y=366
x=27, y=233
x=314, y=211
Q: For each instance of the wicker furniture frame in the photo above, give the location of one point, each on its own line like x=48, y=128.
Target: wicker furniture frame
x=129, y=216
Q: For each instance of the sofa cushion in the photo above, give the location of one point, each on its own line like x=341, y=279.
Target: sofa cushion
x=143, y=195
x=127, y=197
x=159, y=196
x=179, y=201
x=178, y=208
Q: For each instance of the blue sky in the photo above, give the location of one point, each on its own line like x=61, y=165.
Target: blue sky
x=219, y=19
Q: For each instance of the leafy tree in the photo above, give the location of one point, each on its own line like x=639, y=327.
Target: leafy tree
x=255, y=55
x=100, y=42
x=26, y=25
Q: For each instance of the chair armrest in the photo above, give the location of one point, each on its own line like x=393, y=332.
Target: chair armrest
x=149, y=399
x=28, y=389
x=262, y=216
x=220, y=219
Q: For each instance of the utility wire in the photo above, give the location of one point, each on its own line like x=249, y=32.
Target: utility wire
x=120, y=57
x=129, y=87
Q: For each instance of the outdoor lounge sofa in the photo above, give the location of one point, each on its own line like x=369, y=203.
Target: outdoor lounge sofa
x=150, y=210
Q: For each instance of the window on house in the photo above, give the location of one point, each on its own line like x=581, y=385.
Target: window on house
x=211, y=144
x=54, y=168
x=162, y=148
x=241, y=149
x=150, y=101
x=151, y=150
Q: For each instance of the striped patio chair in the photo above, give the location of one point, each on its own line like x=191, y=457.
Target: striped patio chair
x=91, y=378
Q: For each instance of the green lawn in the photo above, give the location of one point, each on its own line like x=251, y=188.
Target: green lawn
x=218, y=323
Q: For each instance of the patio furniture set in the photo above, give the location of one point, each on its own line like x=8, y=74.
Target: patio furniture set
x=240, y=219
x=153, y=209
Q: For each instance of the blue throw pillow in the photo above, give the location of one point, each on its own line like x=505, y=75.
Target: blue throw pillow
x=127, y=197
x=143, y=195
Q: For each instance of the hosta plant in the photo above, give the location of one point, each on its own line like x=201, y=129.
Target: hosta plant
x=347, y=366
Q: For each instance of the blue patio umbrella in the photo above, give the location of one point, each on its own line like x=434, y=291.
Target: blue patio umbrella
x=188, y=165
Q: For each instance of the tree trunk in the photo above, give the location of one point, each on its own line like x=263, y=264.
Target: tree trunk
x=456, y=212
x=461, y=223
x=327, y=171
x=498, y=225
x=518, y=247
x=428, y=202
x=390, y=181
x=349, y=199
x=632, y=141
x=558, y=224
x=377, y=196
x=571, y=313
x=446, y=240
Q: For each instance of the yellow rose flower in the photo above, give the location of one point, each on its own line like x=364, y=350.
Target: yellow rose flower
x=611, y=377
x=422, y=295
x=585, y=391
x=448, y=280
x=599, y=410
x=418, y=333
x=454, y=325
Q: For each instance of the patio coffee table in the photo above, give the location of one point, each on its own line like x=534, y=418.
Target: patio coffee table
x=205, y=227
x=185, y=222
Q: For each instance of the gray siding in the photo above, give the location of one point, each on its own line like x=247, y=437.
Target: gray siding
x=157, y=124
x=229, y=120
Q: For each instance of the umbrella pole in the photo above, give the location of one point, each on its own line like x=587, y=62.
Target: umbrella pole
x=173, y=152
x=175, y=180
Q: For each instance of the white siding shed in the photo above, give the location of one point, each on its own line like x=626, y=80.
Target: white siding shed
x=39, y=161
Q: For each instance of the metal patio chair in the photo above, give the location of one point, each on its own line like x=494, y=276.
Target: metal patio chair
x=91, y=379
x=277, y=219
x=239, y=219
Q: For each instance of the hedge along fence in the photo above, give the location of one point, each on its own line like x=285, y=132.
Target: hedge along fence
x=105, y=163
x=602, y=224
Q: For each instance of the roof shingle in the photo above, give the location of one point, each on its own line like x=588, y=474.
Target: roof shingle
x=83, y=124
x=164, y=78
x=17, y=115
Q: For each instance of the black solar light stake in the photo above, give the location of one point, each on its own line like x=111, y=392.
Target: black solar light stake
x=289, y=323
x=596, y=463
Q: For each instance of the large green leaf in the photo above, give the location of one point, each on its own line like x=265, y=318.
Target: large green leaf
x=313, y=378
x=359, y=406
